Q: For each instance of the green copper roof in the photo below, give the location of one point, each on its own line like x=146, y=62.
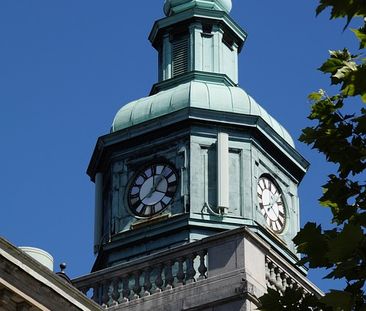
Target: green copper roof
x=197, y=94
x=172, y=7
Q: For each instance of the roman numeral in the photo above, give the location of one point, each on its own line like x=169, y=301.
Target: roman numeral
x=280, y=223
x=134, y=196
x=261, y=184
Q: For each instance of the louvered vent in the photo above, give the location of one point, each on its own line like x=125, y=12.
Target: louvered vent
x=180, y=56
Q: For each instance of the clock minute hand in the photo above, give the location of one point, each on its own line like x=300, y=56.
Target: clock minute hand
x=274, y=199
x=152, y=190
x=157, y=181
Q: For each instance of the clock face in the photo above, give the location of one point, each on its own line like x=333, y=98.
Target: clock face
x=152, y=189
x=271, y=204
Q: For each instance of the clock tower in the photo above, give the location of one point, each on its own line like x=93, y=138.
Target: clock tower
x=198, y=156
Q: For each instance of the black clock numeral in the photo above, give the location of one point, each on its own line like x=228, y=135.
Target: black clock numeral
x=266, y=183
x=273, y=189
x=268, y=221
x=280, y=223
x=261, y=185
x=153, y=170
x=134, y=196
x=134, y=201
x=169, y=194
x=135, y=204
x=167, y=172
x=152, y=209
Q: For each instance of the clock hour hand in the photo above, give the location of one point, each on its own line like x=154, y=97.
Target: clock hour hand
x=274, y=199
x=157, y=181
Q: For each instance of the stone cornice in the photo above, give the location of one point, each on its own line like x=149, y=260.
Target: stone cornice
x=256, y=123
x=19, y=261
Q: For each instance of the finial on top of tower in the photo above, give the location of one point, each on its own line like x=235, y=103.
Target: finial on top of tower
x=172, y=7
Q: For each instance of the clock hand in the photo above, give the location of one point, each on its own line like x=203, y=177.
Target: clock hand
x=274, y=199
x=157, y=181
x=274, y=210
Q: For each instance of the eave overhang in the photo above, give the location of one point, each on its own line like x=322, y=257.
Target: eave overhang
x=260, y=130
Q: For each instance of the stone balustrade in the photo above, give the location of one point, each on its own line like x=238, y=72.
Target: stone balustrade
x=155, y=274
x=237, y=260
x=279, y=279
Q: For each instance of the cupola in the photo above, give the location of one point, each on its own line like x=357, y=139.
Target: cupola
x=197, y=36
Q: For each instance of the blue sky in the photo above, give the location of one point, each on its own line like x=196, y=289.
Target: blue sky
x=67, y=66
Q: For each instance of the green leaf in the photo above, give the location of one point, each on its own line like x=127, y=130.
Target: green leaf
x=343, y=8
x=311, y=242
x=346, y=243
x=270, y=301
x=338, y=300
x=331, y=65
x=316, y=96
x=361, y=35
x=345, y=70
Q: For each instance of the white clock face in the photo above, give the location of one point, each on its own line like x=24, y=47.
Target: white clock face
x=271, y=204
x=152, y=189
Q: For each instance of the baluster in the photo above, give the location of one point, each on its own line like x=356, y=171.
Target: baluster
x=278, y=282
x=112, y=293
x=191, y=272
x=159, y=281
x=84, y=290
x=180, y=275
x=147, y=282
x=169, y=279
x=267, y=272
x=290, y=283
x=272, y=274
x=202, y=269
x=137, y=287
x=120, y=298
x=105, y=292
x=284, y=281
x=126, y=288
x=96, y=295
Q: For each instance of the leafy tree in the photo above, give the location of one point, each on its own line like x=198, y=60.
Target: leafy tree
x=341, y=137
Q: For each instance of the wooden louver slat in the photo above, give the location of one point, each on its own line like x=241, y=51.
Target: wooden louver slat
x=180, y=56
